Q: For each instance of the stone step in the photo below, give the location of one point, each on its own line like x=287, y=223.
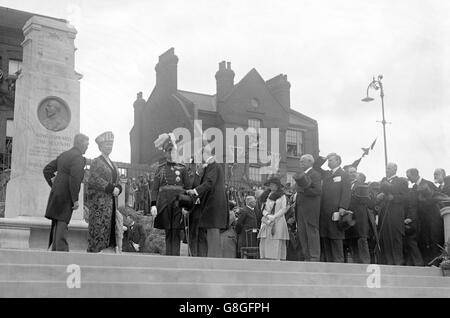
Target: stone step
x=158, y=261
x=189, y=290
x=116, y=274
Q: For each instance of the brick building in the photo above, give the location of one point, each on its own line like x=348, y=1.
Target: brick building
x=252, y=102
x=11, y=38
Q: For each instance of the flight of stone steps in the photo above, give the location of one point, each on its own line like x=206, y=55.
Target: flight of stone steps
x=32, y=273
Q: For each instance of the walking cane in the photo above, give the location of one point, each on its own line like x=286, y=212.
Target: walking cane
x=186, y=230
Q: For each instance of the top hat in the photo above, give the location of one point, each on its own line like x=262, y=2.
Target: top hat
x=106, y=136
x=361, y=191
x=185, y=201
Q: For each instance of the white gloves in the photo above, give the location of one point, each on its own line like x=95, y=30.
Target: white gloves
x=153, y=211
x=116, y=191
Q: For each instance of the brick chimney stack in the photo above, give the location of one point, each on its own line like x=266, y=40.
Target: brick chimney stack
x=281, y=90
x=224, y=80
x=166, y=72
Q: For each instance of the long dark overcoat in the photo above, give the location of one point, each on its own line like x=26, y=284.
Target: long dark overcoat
x=336, y=193
x=391, y=221
x=213, y=199
x=69, y=170
x=309, y=190
x=430, y=223
x=360, y=208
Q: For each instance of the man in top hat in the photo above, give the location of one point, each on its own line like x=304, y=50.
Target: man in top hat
x=336, y=194
x=170, y=181
x=307, y=208
x=64, y=175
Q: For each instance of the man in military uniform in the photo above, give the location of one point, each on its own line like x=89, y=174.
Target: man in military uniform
x=170, y=180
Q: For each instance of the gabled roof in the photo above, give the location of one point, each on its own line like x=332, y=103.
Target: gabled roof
x=253, y=73
x=201, y=101
x=302, y=116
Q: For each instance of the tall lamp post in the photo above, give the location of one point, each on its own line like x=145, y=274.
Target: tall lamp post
x=377, y=85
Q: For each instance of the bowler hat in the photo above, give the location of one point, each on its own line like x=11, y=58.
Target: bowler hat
x=346, y=220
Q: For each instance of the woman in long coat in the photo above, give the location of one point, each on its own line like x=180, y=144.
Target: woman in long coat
x=103, y=190
x=274, y=231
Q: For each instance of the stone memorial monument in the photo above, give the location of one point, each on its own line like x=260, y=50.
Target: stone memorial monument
x=46, y=118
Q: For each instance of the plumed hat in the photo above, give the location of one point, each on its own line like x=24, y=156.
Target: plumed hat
x=106, y=136
x=165, y=142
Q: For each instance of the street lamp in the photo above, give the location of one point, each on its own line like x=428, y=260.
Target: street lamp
x=377, y=85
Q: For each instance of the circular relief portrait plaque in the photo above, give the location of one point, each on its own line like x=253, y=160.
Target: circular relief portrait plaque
x=54, y=114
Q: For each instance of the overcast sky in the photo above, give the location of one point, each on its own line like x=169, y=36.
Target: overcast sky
x=329, y=49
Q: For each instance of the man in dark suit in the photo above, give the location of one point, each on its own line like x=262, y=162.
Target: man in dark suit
x=246, y=221
x=307, y=208
x=64, y=175
x=393, y=198
x=430, y=225
x=213, y=202
x=411, y=251
x=443, y=181
x=197, y=235
x=335, y=201
x=357, y=235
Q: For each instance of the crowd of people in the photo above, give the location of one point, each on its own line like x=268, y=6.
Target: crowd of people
x=329, y=215
x=137, y=193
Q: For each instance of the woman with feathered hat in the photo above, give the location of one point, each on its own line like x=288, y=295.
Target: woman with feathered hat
x=103, y=189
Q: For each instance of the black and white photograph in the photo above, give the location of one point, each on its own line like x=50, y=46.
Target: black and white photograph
x=224, y=153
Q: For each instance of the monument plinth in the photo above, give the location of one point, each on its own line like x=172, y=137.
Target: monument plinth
x=46, y=118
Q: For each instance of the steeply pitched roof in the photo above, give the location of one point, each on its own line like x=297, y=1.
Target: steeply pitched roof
x=295, y=113
x=201, y=101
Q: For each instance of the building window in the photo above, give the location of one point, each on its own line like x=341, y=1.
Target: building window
x=14, y=66
x=294, y=143
x=122, y=172
x=252, y=142
x=254, y=174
